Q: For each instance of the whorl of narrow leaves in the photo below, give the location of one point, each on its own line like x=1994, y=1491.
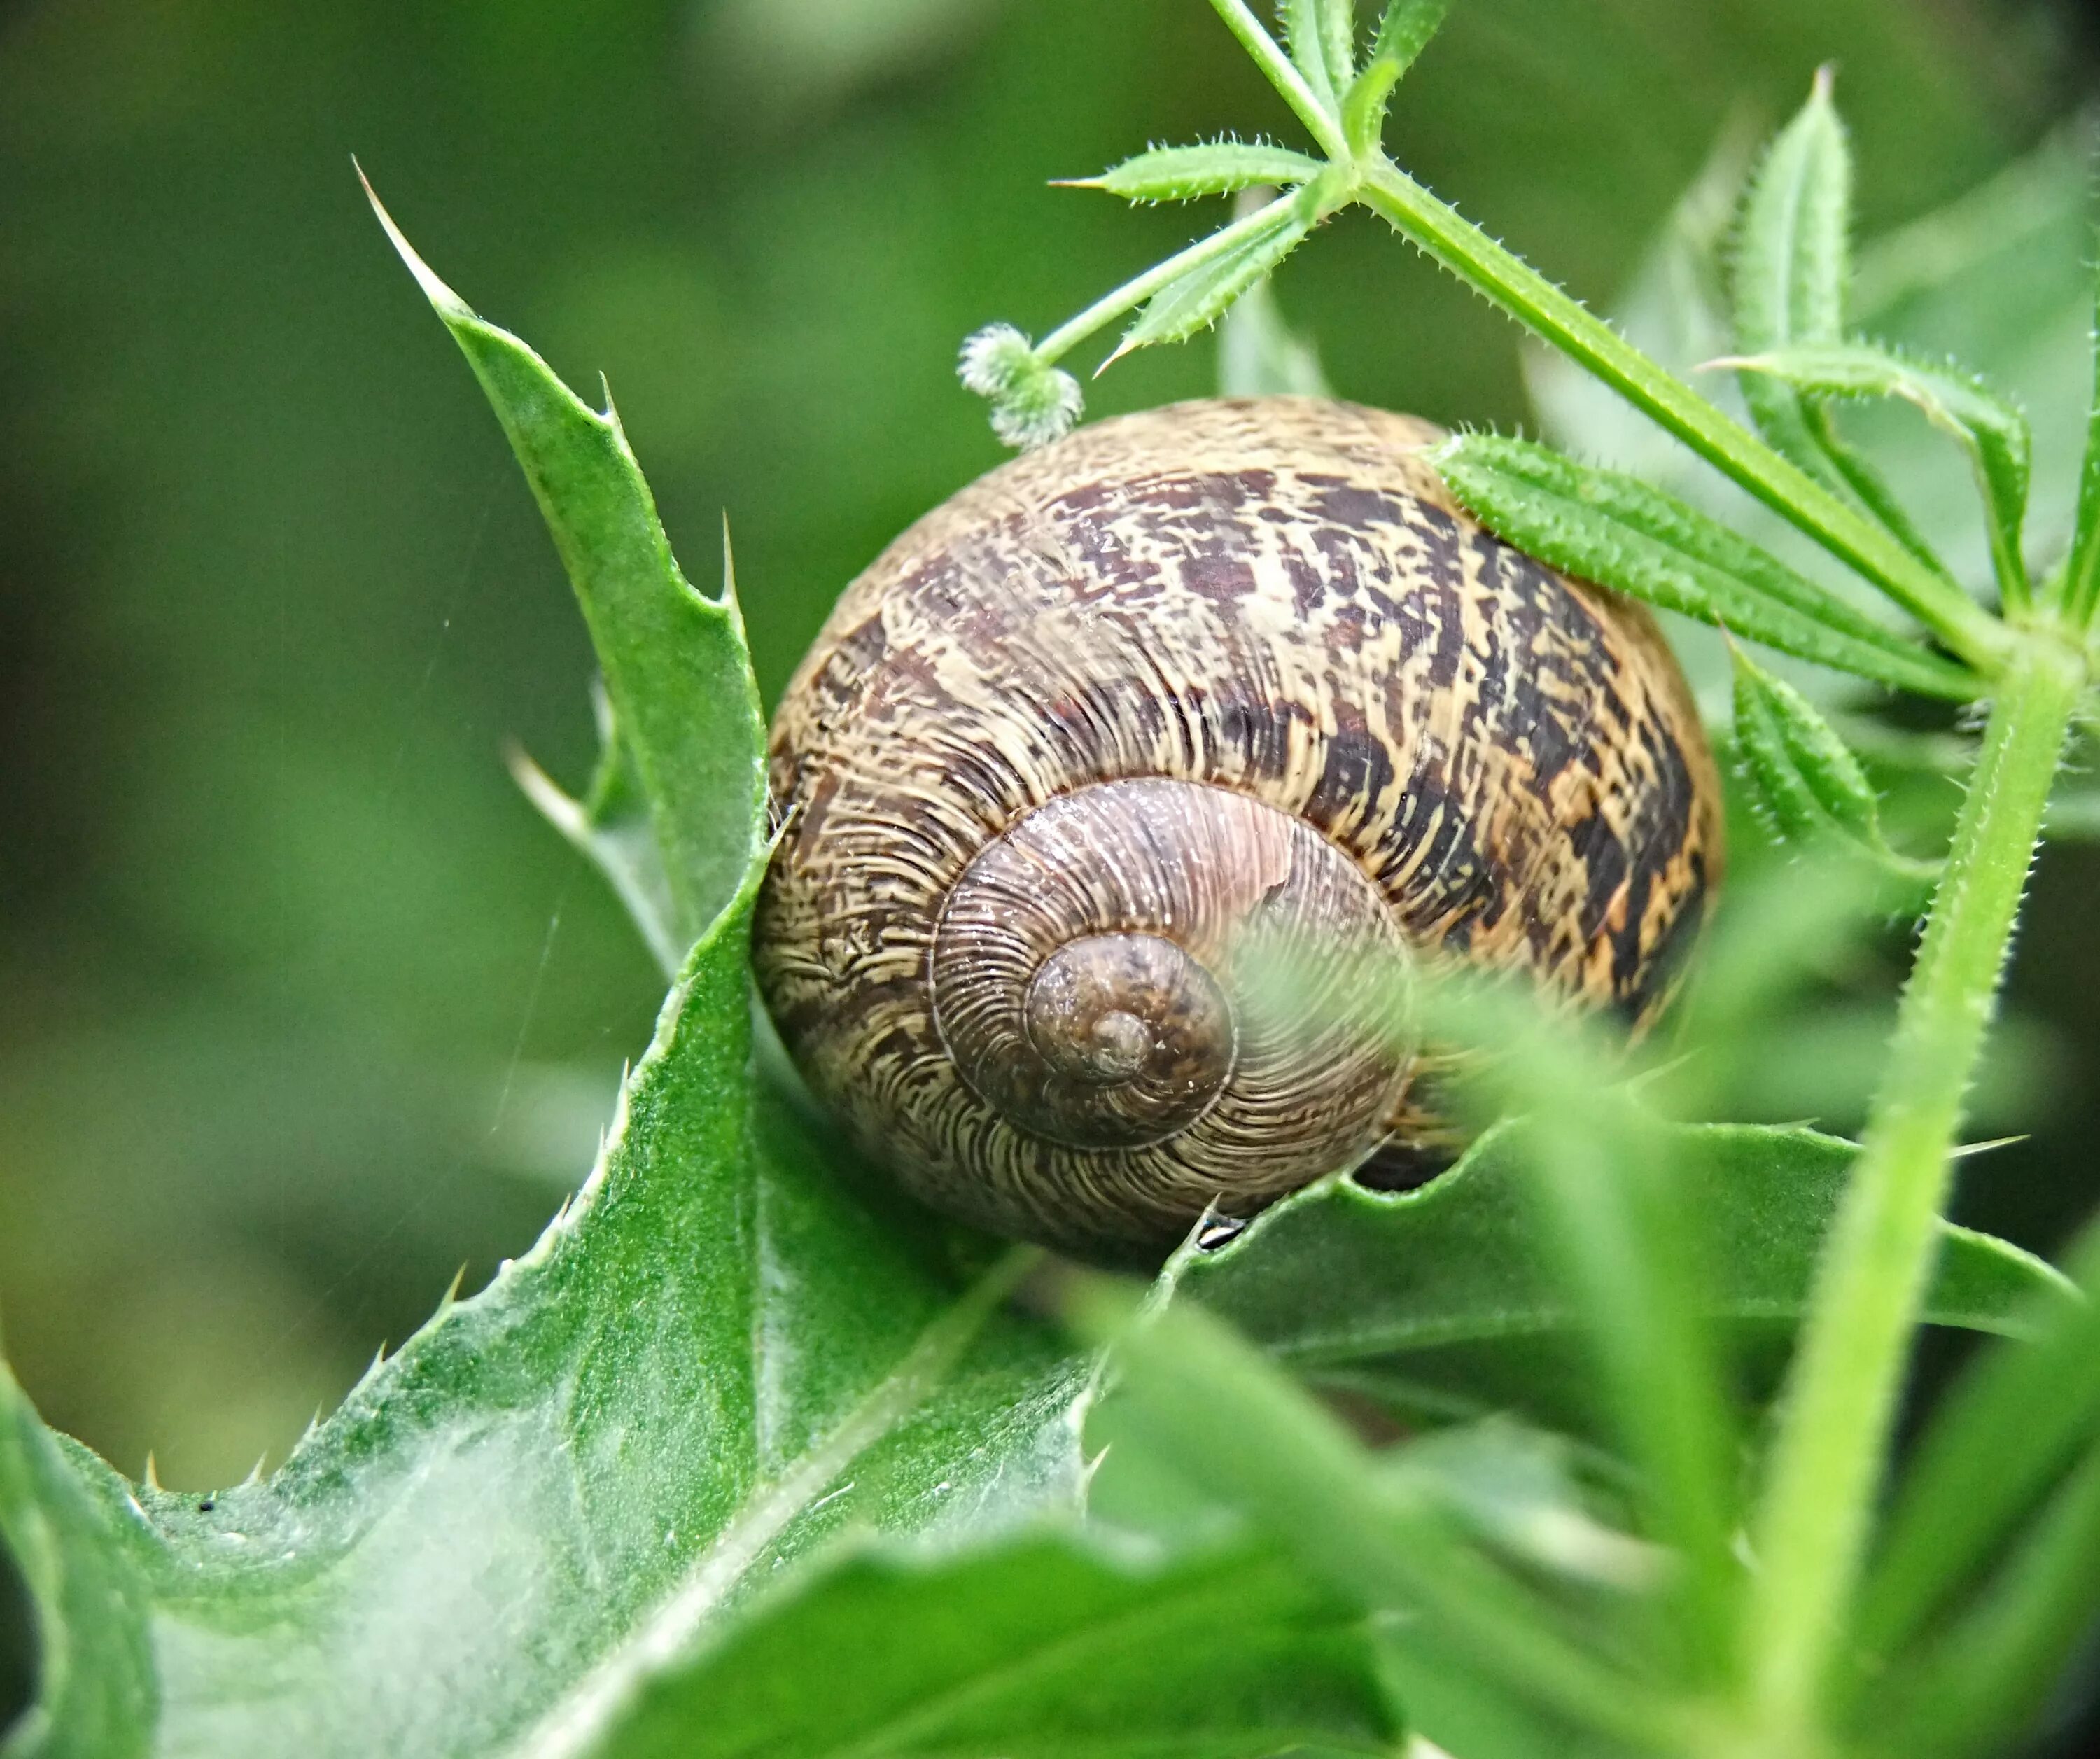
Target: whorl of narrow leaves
x=1216, y=168
x=1616, y=531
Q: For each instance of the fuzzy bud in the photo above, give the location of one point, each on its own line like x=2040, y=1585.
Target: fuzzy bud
x=1032, y=402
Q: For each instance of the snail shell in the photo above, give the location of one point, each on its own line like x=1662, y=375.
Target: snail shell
x=1222, y=675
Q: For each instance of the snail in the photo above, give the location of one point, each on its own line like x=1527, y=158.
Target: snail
x=1079, y=733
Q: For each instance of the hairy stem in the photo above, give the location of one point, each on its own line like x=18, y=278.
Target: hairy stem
x=1511, y=283
x=1283, y=74
x=1828, y=1458
x=1133, y=294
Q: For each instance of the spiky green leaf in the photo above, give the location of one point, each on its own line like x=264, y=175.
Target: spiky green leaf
x=1794, y=265
x=1320, y=35
x=716, y=1359
x=1214, y=168
x=1199, y=299
x=1804, y=780
x=689, y=720
x=1616, y=531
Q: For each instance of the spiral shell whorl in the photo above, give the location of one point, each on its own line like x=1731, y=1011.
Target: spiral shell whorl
x=1089, y=979
x=1264, y=624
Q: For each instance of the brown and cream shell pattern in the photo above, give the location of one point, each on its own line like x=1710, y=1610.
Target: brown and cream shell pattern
x=1222, y=667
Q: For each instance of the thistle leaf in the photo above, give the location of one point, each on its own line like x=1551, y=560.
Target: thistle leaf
x=1617, y=532
x=1214, y=168
x=715, y=1358
x=689, y=720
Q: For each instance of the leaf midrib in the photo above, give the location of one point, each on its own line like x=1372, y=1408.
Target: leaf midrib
x=591, y=1708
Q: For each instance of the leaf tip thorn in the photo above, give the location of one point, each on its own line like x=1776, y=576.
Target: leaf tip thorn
x=449, y=305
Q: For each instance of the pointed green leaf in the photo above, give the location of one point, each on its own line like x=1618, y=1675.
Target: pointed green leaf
x=1441, y=1299
x=1804, y=780
x=1214, y=168
x=681, y=692
x=1956, y=401
x=1404, y=32
x=1199, y=299
x=1614, y=530
x=1260, y=355
x=1794, y=265
x=1320, y=35
x=1052, y=1646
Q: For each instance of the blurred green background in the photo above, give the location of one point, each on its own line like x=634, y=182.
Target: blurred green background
x=300, y=1007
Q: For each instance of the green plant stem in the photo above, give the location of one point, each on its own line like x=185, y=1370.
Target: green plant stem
x=1283, y=74
x=1828, y=1456
x=1439, y=230
x=1131, y=295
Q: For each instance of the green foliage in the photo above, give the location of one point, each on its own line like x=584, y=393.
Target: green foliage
x=747, y=1456
x=717, y=1359
x=1617, y=530
x=1993, y=433
x=1197, y=297
x=1040, y=1648
x=1182, y=174
x=1803, y=779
